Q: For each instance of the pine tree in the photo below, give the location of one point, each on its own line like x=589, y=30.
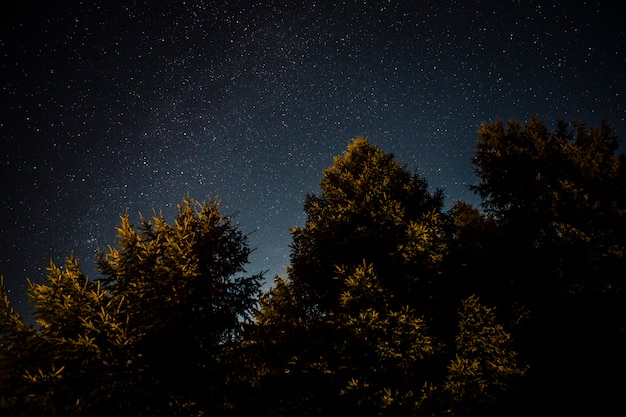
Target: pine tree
x=182, y=290
x=484, y=359
x=157, y=334
x=561, y=194
x=361, y=323
x=17, y=342
x=558, y=199
x=370, y=207
x=82, y=344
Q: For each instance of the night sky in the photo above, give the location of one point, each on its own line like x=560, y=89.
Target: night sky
x=108, y=107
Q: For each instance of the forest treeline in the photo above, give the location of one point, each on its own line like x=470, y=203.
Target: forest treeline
x=391, y=305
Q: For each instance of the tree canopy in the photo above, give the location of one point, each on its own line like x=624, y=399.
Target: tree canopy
x=557, y=199
x=153, y=335
x=391, y=304
x=370, y=207
x=365, y=292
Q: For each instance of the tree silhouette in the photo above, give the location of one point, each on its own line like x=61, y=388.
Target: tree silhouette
x=557, y=199
x=388, y=306
x=561, y=194
x=155, y=335
x=364, y=312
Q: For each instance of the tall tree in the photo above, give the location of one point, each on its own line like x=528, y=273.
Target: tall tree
x=559, y=200
x=370, y=207
x=181, y=287
x=362, y=313
x=561, y=194
x=155, y=335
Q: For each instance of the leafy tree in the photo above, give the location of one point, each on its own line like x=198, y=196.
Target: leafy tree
x=16, y=353
x=385, y=351
x=562, y=195
x=485, y=358
x=82, y=341
x=362, y=322
x=370, y=207
x=558, y=199
x=156, y=335
x=184, y=297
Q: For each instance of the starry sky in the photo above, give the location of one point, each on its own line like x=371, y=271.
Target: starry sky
x=115, y=106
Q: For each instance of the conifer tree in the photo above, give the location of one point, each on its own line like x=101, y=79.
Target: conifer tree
x=157, y=334
x=82, y=343
x=561, y=195
x=17, y=343
x=182, y=289
x=484, y=355
x=370, y=207
x=558, y=200
x=361, y=324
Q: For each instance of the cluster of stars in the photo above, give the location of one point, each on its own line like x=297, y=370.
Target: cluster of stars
x=114, y=107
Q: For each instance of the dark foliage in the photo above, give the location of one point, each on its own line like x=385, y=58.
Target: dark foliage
x=390, y=306
x=154, y=336
x=558, y=203
x=366, y=291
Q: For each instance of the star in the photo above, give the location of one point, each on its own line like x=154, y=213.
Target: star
x=109, y=107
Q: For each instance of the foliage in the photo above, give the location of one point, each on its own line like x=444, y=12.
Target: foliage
x=558, y=202
x=367, y=268
x=181, y=278
x=388, y=307
x=16, y=353
x=562, y=194
x=485, y=359
x=399, y=337
x=156, y=334
x=82, y=338
x=183, y=299
x=385, y=349
x=370, y=207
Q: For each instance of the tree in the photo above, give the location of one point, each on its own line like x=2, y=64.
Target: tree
x=558, y=199
x=485, y=359
x=562, y=195
x=385, y=351
x=155, y=335
x=16, y=353
x=184, y=298
x=370, y=207
x=82, y=343
x=477, y=263
x=362, y=322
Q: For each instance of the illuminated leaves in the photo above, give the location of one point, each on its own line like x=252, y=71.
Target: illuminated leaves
x=17, y=341
x=398, y=336
x=387, y=343
x=370, y=207
x=425, y=243
x=184, y=270
x=170, y=305
x=366, y=267
x=67, y=300
x=485, y=359
x=11, y=324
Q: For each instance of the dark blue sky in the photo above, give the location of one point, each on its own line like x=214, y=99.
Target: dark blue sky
x=107, y=107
